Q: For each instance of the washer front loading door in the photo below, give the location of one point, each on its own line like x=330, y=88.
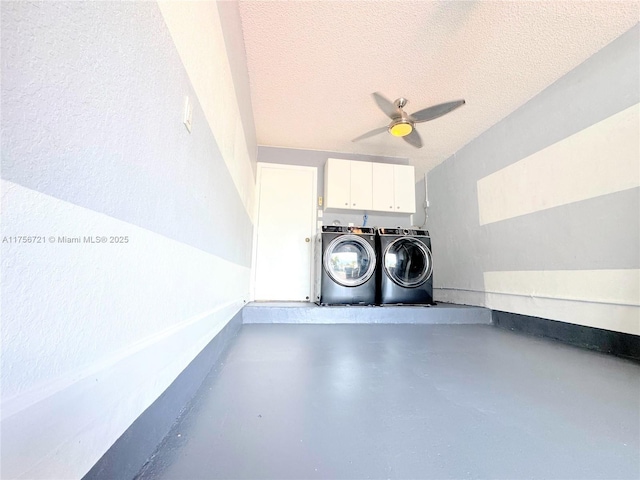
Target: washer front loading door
x=407, y=262
x=349, y=260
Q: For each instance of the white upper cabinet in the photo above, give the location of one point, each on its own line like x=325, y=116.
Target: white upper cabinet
x=361, y=191
x=384, y=198
x=347, y=184
x=369, y=186
x=404, y=188
x=337, y=183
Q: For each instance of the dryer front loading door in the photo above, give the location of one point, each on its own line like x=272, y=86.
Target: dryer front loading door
x=349, y=260
x=407, y=262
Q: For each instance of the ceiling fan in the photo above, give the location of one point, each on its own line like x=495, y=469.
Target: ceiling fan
x=402, y=124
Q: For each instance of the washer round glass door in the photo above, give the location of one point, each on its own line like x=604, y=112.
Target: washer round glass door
x=407, y=262
x=349, y=260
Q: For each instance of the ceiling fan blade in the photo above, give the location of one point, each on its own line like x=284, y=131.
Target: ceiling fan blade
x=414, y=139
x=385, y=105
x=370, y=134
x=436, y=111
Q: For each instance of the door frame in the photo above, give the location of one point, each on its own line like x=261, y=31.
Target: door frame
x=254, y=255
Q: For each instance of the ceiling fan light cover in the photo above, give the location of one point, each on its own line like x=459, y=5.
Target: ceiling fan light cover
x=400, y=129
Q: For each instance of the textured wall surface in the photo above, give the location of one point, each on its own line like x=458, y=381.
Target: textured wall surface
x=199, y=38
x=93, y=145
x=231, y=26
x=566, y=250
x=317, y=158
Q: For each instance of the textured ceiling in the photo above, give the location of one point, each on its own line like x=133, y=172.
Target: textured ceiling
x=313, y=65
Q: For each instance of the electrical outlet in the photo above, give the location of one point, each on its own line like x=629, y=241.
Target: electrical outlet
x=319, y=201
x=188, y=113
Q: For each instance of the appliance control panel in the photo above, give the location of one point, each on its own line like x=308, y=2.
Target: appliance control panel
x=342, y=229
x=403, y=231
x=362, y=230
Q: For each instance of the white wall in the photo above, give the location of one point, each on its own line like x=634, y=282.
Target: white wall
x=93, y=145
x=540, y=214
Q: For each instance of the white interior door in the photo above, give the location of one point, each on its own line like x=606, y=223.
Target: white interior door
x=286, y=227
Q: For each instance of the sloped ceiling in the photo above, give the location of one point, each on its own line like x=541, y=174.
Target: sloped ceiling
x=314, y=64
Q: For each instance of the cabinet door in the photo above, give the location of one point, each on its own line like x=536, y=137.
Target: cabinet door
x=383, y=187
x=337, y=183
x=404, y=188
x=361, y=186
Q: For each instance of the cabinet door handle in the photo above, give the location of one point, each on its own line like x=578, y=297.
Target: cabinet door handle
x=390, y=206
x=354, y=204
x=307, y=239
x=346, y=204
x=398, y=208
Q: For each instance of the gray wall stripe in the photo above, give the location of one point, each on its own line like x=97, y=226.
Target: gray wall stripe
x=95, y=119
x=599, y=233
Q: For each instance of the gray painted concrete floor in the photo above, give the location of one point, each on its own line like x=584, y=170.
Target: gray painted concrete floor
x=406, y=401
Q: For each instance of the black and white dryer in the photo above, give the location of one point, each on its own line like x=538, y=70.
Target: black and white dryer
x=345, y=266
x=405, y=266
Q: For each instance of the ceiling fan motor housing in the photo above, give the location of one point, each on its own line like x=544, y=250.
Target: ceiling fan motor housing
x=401, y=126
x=401, y=102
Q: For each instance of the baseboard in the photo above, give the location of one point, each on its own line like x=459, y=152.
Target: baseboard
x=459, y=296
x=131, y=451
x=606, y=341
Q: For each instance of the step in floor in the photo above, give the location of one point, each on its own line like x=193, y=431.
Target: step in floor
x=305, y=312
